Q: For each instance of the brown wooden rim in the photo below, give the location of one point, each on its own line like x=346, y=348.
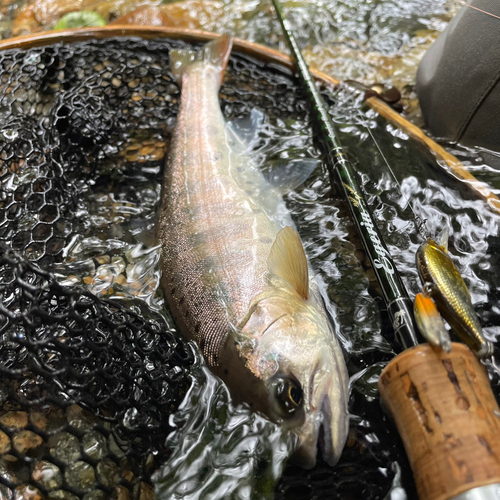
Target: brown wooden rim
x=446, y=161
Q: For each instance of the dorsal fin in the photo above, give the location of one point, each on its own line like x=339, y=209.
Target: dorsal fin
x=243, y=133
x=288, y=174
x=287, y=259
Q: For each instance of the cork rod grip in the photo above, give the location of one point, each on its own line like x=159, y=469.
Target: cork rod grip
x=447, y=417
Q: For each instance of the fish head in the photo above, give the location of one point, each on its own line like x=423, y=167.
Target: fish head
x=297, y=357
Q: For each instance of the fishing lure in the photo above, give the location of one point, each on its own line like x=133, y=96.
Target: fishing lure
x=444, y=284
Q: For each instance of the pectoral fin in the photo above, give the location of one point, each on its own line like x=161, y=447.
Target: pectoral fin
x=288, y=261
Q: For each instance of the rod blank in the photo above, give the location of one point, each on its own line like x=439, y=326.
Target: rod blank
x=394, y=293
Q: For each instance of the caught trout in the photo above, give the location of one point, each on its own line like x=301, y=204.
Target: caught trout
x=444, y=284
x=235, y=273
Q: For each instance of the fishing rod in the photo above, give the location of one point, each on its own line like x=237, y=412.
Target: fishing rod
x=399, y=305
x=420, y=222
x=442, y=403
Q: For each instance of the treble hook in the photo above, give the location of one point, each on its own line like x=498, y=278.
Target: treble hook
x=492, y=363
x=422, y=227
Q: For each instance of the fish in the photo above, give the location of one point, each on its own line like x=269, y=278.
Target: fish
x=444, y=284
x=430, y=323
x=235, y=273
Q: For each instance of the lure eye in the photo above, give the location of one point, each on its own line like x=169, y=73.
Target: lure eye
x=288, y=395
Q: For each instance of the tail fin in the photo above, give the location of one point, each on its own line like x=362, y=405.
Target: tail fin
x=215, y=53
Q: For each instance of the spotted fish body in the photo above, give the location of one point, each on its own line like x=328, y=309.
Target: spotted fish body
x=235, y=273
x=446, y=287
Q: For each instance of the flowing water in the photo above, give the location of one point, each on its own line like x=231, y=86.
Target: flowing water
x=366, y=40
x=226, y=451
x=222, y=451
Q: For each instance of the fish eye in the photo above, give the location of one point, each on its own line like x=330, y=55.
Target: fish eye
x=288, y=396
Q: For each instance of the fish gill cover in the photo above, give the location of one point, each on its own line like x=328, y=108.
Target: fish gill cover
x=91, y=383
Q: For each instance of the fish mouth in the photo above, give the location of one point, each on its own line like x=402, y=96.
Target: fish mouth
x=305, y=453
x=329, y=452
x=322, y=430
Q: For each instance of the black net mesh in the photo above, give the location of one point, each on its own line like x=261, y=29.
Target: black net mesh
x=87, y=388
x=87, y=385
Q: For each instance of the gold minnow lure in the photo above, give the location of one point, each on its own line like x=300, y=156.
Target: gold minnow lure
x=445, y=285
